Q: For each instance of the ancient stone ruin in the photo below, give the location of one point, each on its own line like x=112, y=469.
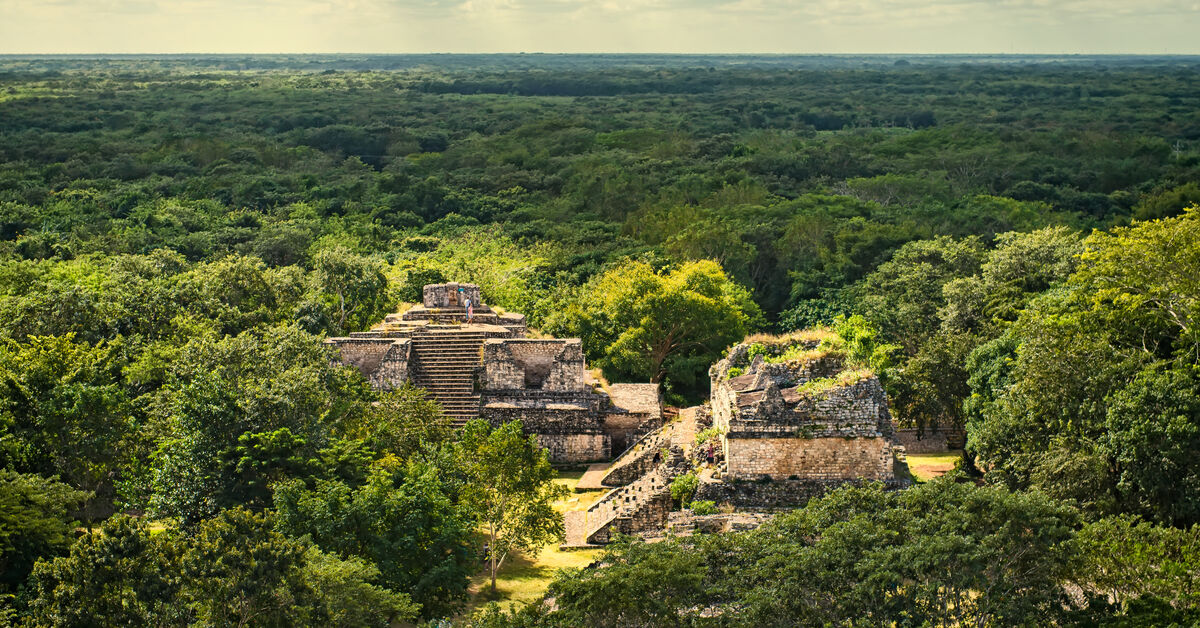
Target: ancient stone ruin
x=483, y=366
x=792, y=420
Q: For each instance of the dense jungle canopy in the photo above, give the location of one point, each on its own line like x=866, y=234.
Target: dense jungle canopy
x=1010, y=236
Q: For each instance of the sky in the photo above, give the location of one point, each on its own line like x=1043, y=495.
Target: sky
x=629, y=26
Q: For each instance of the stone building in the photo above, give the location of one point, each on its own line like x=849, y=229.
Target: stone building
x=485, y=367
x=793, y=421
x=789, y=411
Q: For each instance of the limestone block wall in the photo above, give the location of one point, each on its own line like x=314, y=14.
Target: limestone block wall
x=447, y=295
x=635, y=463
x=393, y=369
x=809, y=458
x=623, y=428
x=575, y=448
x=566, y=424
x=784, y=374
x=550, y=365
x=638, y=507
x=751, y=495
x=383, y=361
x=855, y=410
x=931, y=441
x=549, y=413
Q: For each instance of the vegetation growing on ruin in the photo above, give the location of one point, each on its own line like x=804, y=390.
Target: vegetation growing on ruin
x=822, y=386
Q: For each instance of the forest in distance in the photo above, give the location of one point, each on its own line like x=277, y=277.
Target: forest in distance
x=1010, y=242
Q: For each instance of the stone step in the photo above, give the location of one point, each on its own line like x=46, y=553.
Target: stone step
x=447, y=369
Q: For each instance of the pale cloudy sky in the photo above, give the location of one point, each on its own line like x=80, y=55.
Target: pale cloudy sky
x=719, y=26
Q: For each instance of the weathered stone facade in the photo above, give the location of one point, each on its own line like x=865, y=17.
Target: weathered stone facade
x=771, y=495
x=484, y=367
x=636, y=410
x=798, y=424
x=794, y=423
x=931, y=441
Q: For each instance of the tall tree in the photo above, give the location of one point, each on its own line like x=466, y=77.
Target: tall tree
x=356, y=286
x=663, y=327
x=511, y=485
x=218, y=391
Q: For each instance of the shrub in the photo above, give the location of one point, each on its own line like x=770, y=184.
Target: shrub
x=703, y=507
x=683, y=488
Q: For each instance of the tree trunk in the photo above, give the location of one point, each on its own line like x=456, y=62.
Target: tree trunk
x=492, y=556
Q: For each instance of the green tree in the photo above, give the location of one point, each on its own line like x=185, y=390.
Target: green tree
x=663, y=327
x=35, y=522
x=402, y=422
x=511, y=487
x=942, y=553
x=62, y=411
x=234, y=571
x=1151, y=437
x=904, y=294
x=1098, y=377
x=347, y=593
x=356, y=285
x=239, y=570
x=122, y=575
x=258, y=382
x=1133, y=563
x=402, y=522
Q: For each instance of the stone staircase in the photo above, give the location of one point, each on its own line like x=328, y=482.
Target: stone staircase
x=642, y=505
x=639, y=506
x=445, y=363
x=642, y=456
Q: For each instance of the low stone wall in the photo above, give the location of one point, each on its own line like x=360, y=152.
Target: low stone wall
x=568, y=428
x=809, y=458
x=931, y=441
x=637, y=462
x=774, y=494
x=639, y=507
x=684, y=523
x=575, y=448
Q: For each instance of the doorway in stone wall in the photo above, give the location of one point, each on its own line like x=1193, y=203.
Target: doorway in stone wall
x=537, y=371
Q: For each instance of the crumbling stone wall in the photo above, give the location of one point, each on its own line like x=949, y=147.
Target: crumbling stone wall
x=810, y=458
x=644, y=456
x=383, y=361
x=775, y=494
x=638, y=507
x=565, y=423
x=853, y=410
x=931, y=441
x=575, y=448
x=684, y=523
x=523, y=364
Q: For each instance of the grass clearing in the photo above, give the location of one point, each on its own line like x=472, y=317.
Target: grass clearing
x=523, y=579
x=925, y=467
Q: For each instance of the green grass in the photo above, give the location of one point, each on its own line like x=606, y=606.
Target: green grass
x=925, y=467
x=523, y=579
